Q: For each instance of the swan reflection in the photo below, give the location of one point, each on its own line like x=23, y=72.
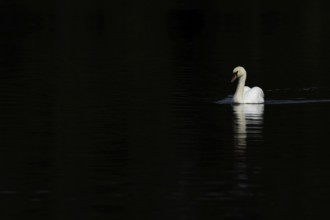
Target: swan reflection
x=248, y=125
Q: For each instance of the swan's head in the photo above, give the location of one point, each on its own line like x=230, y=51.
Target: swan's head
x=238, y=72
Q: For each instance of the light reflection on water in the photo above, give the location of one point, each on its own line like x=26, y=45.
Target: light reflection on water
x=248, y=123
x=248, y=126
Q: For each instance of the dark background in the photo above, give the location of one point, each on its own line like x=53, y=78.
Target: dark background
x=94, y=94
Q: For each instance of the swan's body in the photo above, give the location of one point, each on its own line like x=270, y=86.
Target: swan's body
x=243, y=93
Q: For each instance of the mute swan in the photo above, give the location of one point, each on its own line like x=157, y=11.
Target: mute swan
x=243, y=93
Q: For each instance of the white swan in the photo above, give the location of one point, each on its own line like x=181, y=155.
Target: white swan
x=243, y=93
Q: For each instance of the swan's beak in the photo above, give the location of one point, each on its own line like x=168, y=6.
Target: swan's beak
x=234, y=77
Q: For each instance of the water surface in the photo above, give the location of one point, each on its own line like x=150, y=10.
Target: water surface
x=107, y=110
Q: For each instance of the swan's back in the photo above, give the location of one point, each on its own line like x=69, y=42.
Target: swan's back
x=253, y=95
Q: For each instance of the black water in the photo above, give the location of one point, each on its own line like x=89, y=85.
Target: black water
x=108, y=110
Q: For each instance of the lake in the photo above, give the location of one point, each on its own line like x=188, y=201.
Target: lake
x=121, y=110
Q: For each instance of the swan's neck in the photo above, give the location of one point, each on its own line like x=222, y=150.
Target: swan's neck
x=238, y=96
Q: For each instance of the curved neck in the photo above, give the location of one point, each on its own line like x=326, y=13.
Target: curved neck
x=238, y=96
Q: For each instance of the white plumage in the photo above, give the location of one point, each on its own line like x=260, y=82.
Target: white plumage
x=245, y=94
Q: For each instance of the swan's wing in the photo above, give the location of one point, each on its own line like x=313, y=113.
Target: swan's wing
x=254, y=95
x=246, y=89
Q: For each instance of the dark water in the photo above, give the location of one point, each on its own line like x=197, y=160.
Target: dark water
x=108, y=110
x=279, y=160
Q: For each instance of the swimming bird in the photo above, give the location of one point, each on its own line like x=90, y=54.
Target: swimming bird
x=245, y=94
